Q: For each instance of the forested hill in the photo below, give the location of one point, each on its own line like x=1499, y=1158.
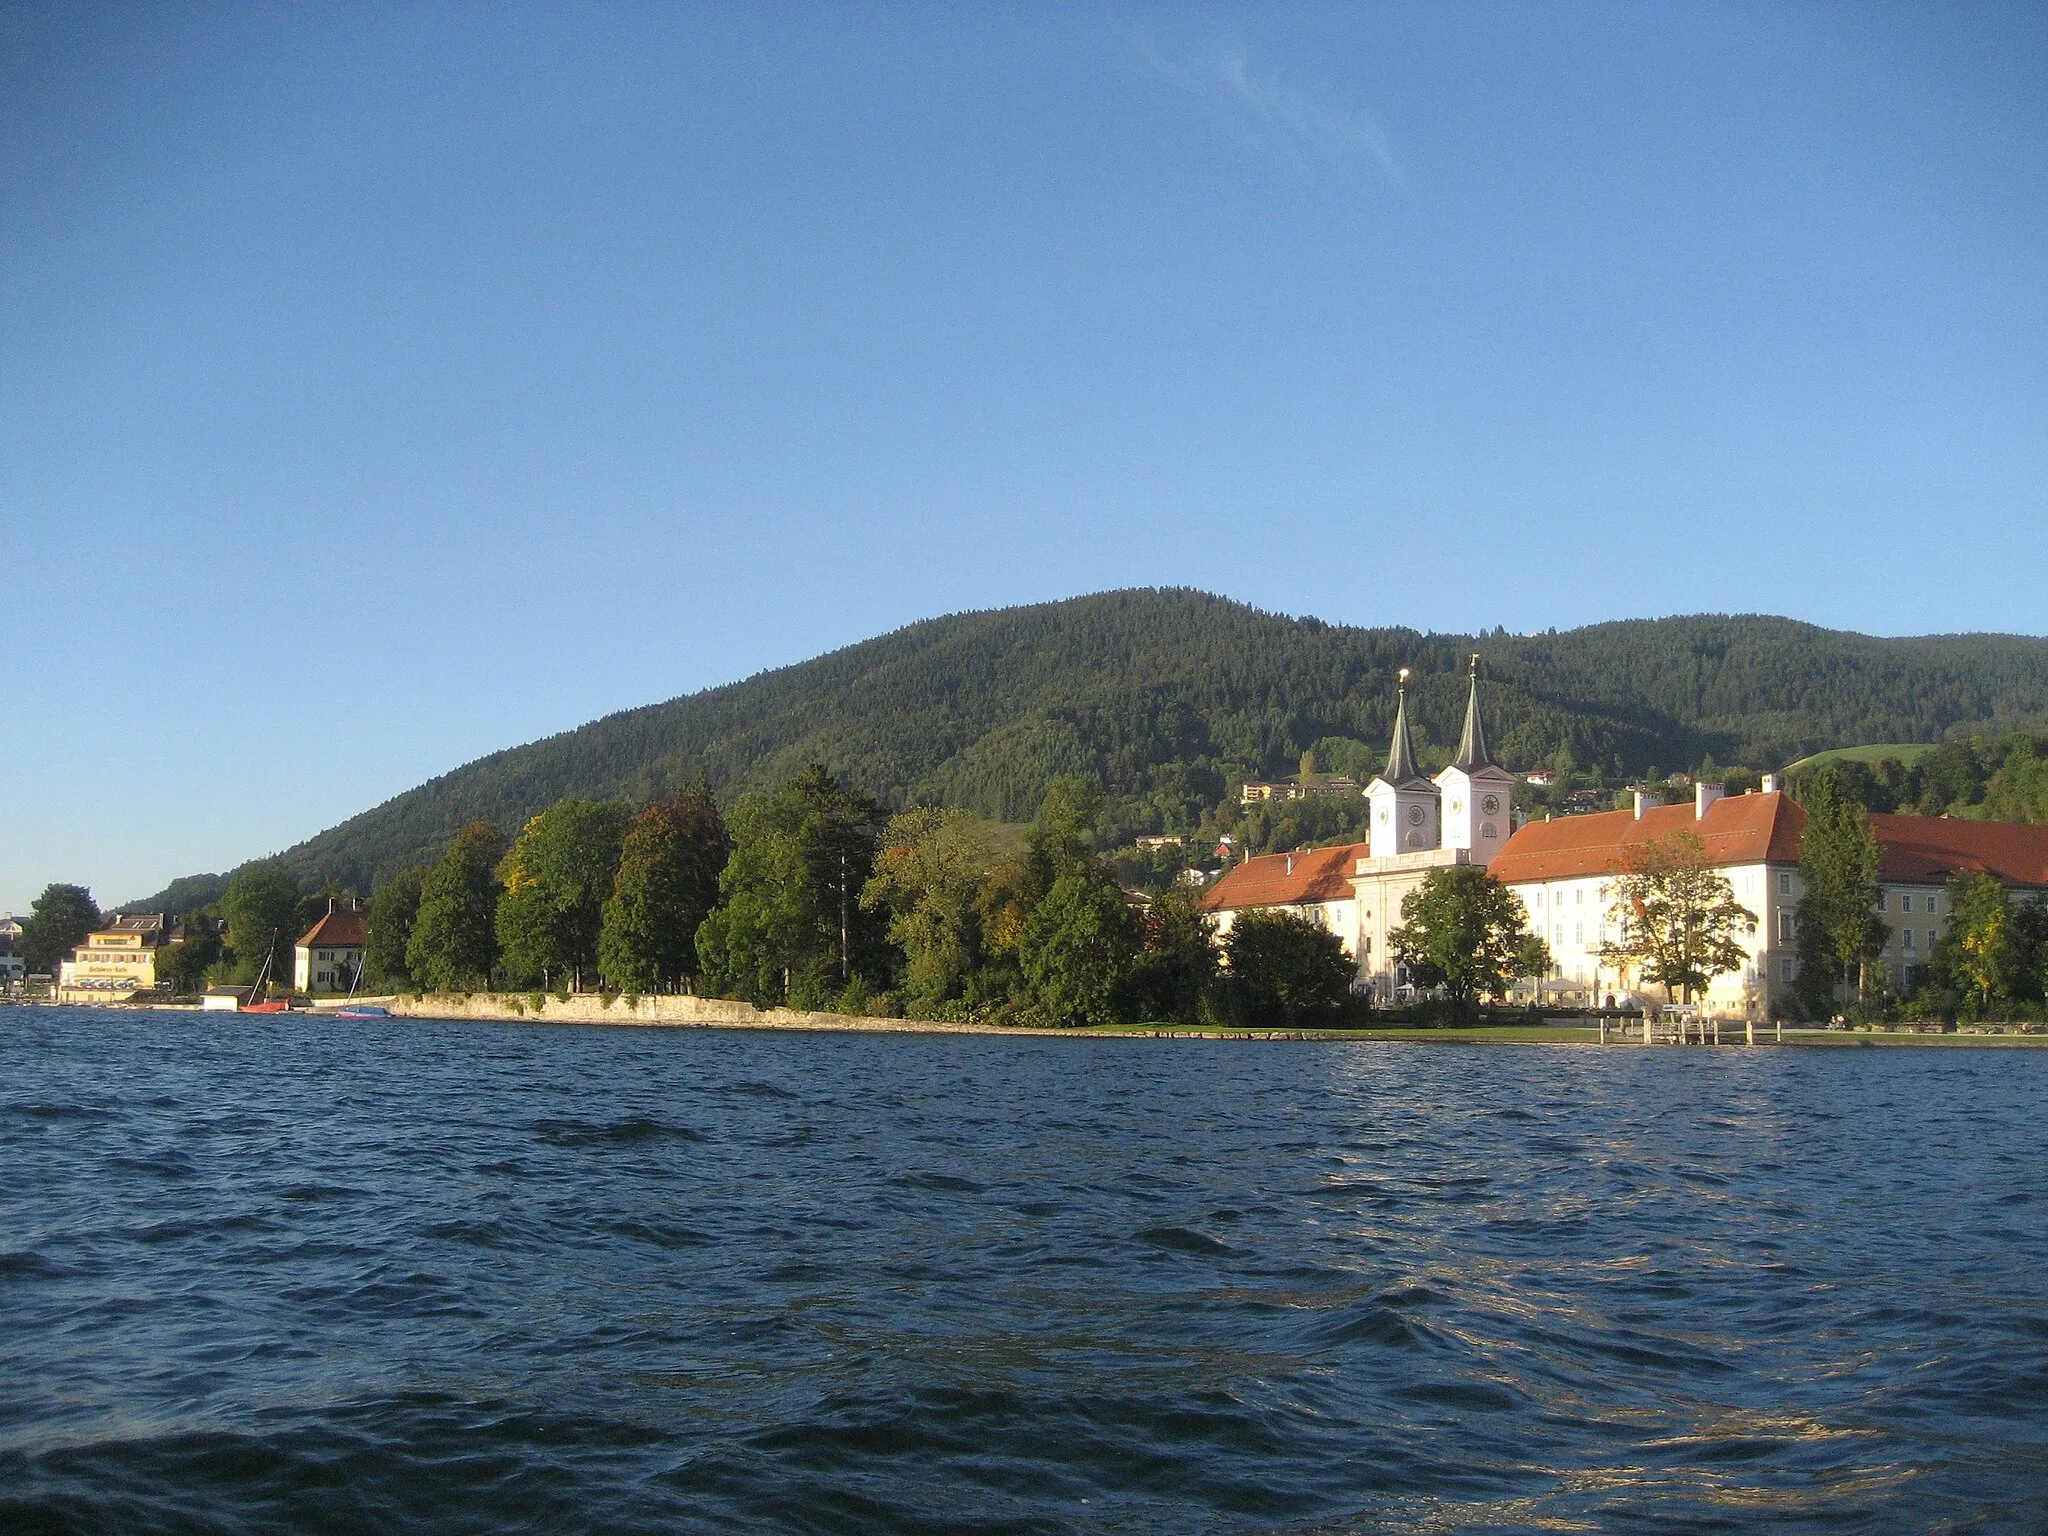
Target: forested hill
x=1162, y=696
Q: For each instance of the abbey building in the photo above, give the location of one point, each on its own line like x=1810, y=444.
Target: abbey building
x=1565, y=870
x=1462, y=816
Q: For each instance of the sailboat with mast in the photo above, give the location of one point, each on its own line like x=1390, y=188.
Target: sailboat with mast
x=261, y=989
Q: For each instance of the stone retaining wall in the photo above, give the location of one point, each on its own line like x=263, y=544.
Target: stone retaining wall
x=678, y=1012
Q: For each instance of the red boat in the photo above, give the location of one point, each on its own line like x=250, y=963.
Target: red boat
x=275, y=1005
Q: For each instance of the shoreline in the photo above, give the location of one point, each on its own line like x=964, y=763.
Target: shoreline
x=728, y=1014
x=686, y=1012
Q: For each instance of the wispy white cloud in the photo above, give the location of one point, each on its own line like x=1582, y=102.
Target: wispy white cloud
x=1309, y=115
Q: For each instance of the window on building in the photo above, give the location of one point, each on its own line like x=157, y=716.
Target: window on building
x=1909, y=940
x=1579, y=896
x=1785, y=922
x=1579, y=934
x=1784, y=882
x=1905, y=901
x=1931, y=907
x=1883, y=902
x=1788, y=970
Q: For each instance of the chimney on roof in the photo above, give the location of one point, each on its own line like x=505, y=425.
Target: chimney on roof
x=1290, y=863
x=1704, y=795
x=1770, y=783
x=1647, y=800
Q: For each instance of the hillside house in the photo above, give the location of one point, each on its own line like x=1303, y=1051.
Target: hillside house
x=329, y=957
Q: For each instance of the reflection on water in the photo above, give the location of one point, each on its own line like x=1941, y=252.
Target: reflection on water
x=267, y=1274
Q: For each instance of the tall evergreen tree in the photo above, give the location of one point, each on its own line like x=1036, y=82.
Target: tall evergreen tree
x=454, y=939
x=1838, y=875
x=667, y=884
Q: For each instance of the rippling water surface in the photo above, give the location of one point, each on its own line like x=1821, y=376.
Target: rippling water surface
x=272, y=1274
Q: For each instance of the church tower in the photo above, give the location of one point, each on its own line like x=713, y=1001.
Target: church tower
x=1404, y=803
x=1477, y=796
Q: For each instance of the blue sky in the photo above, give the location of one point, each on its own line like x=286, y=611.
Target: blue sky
x=380, y=386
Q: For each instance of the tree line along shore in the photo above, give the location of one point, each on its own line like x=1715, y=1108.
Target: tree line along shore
x=812, y=897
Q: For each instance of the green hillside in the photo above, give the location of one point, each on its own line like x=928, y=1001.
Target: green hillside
x=1161, y=697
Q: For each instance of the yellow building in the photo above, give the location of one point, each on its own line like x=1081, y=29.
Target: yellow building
x=115, y=963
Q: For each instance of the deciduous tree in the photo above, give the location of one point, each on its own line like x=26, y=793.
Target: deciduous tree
x=556, y=879
x=1979, y=950
x=667, y=884
x=184, y=965
x=454, y=939
x=58, y=922
x=1463, y=931
x=1176, y=960
x=929, y=878
x=1283, y=968
x=789, y=926
x=392, y=914
x=1077, y=949
x=1681, y=923
x=261, y=905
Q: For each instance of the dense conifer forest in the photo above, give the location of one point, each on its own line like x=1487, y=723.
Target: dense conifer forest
x=1163, y=699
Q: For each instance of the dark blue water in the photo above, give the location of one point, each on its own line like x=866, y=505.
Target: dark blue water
x=266, y=1274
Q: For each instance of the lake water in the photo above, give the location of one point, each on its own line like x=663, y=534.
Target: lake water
x=272, y=1274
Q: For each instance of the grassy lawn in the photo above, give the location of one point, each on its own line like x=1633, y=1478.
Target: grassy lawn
x=1529, y=1034
x=1545, y=1034
x=1907, y=752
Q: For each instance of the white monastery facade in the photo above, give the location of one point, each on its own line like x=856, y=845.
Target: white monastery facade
x=1565, y=871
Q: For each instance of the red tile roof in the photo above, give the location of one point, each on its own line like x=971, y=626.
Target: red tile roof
x=1740, y=829
x=337, y=930
x=1285, y=879
x=1755, y=829
x=1928, y=849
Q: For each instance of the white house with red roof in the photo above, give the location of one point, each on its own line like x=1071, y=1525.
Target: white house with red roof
x=330, y=956
x=1565, y=872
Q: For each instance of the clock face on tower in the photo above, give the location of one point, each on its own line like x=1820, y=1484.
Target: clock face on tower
x=1457, y=806
x=1490, y=804
x=1414, y=815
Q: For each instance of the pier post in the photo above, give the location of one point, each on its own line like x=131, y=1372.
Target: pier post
x=1749, y=1029
x=1781, y=1031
